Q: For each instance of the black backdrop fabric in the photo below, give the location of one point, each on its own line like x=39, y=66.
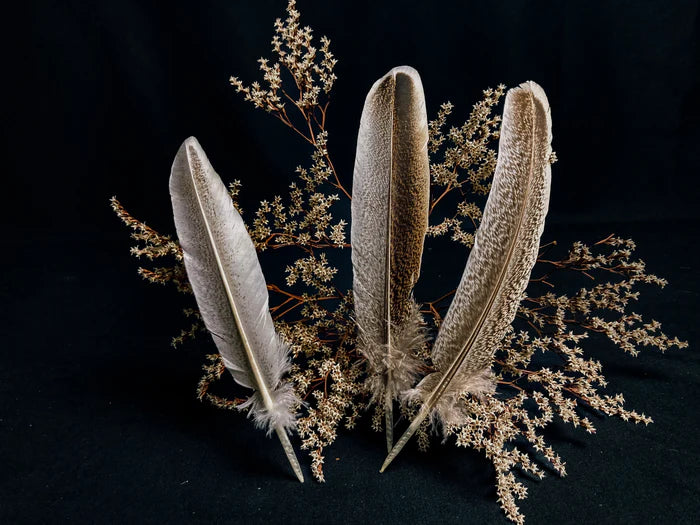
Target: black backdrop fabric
x=98, y=416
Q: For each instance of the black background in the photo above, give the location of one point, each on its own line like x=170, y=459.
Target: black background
x=98, y=420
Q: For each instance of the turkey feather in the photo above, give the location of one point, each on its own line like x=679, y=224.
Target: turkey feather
x=229, y=286
x=499, y=265
x=390, y=196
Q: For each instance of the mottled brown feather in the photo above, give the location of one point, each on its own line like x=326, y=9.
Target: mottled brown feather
x=499, y=265
x=391, y=191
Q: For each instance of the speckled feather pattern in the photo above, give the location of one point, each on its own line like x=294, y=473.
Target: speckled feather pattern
x=505, y=250
x=391, y=191
x=200, y=199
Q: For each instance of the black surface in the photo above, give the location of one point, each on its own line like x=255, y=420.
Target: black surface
x=98, y=418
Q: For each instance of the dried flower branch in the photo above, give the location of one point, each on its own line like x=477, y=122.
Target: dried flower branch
x=466, y=164
x=214, y=368
x=312, y=315
x=532, y=390
x=312, y=76
x=152, y=245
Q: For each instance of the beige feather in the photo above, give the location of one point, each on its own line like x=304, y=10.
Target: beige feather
x=390, y=196
x=499, y=265
x=229, y=286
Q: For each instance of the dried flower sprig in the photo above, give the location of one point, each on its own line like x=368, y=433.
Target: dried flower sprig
x=312, y=77
x=156, y=245
x=462, y=162
x=152, y=245
x=214, y=369
x=312, y=315
x=532, y=389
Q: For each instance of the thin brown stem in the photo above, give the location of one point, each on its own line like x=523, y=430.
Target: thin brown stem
x=438, y=199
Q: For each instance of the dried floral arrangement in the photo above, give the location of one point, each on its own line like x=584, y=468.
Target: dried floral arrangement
x=331, y=363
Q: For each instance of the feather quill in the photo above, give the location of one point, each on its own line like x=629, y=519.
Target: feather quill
x=224, y=271
x=499, y=265
x=390, y=195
